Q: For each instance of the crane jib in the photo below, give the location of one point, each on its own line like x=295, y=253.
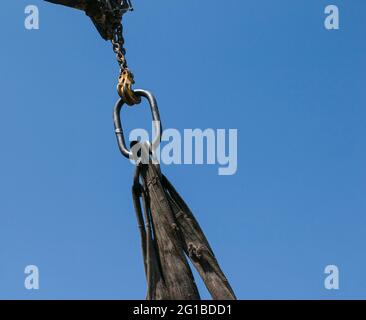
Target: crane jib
x=105, y=14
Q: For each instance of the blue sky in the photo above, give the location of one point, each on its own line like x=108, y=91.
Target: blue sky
x=270, y=69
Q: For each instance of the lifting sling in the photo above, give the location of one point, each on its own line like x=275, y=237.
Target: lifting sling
x=169, y=232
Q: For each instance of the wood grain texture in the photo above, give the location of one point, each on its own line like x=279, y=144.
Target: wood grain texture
x=170, y=234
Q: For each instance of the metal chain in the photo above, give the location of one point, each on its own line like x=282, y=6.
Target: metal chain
x=126, y=78
x=118, y=42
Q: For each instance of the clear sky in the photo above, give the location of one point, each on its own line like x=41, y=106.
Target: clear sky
x=294, y=90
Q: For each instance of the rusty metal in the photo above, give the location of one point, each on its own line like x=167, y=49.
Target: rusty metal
x=105, y=14
x=107, y=18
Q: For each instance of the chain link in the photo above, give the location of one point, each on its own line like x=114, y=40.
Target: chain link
x=126, y=78
x=118, y=42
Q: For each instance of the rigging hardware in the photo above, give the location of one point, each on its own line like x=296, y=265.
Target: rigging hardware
x=169, y=231
x=107, y=18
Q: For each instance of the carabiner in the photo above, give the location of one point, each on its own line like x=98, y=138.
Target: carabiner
x=156, y=123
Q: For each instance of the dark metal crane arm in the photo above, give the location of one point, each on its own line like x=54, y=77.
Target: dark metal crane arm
x=105, y=14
